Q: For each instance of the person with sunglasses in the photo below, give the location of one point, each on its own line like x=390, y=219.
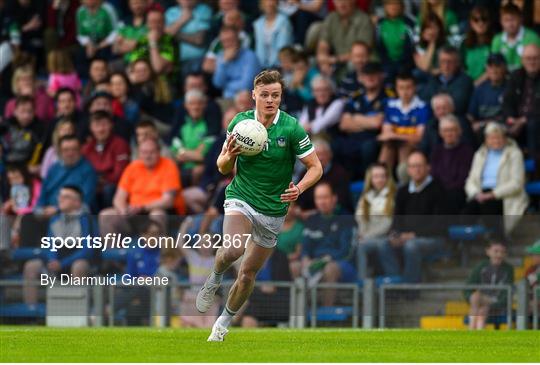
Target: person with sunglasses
x=475, y=49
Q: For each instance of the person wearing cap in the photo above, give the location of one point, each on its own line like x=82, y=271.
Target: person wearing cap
x=495, y=186
x=357, y=146
x=486, y=100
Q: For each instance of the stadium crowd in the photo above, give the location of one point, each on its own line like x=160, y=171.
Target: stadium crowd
x=115, y=110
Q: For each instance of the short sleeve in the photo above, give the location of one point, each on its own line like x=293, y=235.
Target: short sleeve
x=301, y=142
x=126, y=180
x=171, y=177
x=170, y=16
x=233, y=122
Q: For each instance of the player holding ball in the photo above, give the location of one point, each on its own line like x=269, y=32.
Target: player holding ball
x=258, y=197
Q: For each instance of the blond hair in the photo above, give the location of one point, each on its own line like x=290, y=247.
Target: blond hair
x=59, y=61
x=368, y=186
x=20, y=72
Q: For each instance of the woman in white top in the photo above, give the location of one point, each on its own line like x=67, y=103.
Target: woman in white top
x=495, y=186
x=374, y=213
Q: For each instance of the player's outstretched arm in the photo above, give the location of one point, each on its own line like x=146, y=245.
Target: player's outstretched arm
x=227, y=157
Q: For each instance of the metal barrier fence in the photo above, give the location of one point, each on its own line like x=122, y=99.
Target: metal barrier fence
x=419, y=287
x=313, y=302
x=302, y=302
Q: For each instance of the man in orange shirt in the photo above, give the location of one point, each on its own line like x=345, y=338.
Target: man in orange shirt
x=149, y=185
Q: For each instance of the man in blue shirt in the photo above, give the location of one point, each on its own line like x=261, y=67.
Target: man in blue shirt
x=357, y=147
x=326, y=242
x=236, y=67
x=188, y=23
x=70, y=169
x=486, y=102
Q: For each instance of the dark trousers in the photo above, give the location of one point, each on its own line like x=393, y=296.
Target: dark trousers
x=489, y=213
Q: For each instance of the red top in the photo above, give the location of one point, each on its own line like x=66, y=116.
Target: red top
x=111, y=161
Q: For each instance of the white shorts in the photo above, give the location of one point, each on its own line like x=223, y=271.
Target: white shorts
x=265, y=228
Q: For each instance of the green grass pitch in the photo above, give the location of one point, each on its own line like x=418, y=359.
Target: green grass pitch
x=41, y=344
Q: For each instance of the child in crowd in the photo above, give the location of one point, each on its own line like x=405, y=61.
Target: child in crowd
x=514, y=37
x=23, y=195
x=62, y=74
x=22, y=135
x=495, y=270
x=404, y=122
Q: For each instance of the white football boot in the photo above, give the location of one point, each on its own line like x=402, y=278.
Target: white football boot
x=218, y=333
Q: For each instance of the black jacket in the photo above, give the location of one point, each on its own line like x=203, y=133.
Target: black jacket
x=22, y=145
x=421, y=212
x=514, y=94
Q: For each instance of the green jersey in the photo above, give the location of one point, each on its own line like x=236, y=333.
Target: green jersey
x=394, y=34
x=192, y=134
x=512, y=52
x=131, y=32
x=475, y=59
x=96, y=26
x=261, y=179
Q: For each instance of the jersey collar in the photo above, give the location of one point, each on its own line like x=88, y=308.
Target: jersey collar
x=415, y=103
x=275, y=118
x=518, y=39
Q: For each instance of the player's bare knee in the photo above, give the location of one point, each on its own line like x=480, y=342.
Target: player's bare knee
x=229, y=255
x=247, y=277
